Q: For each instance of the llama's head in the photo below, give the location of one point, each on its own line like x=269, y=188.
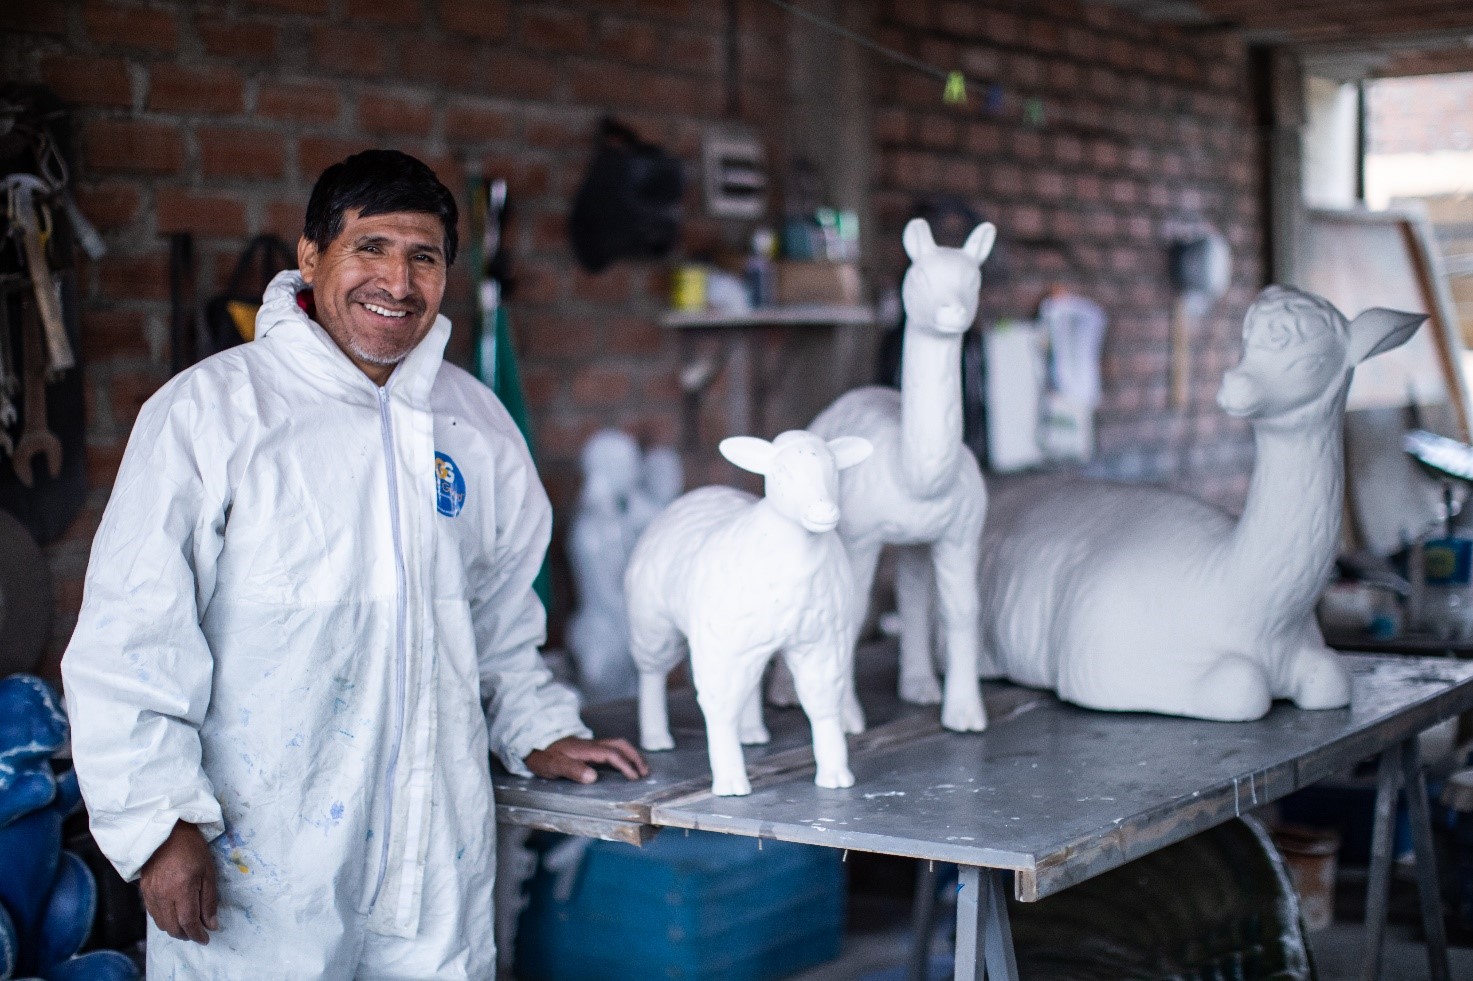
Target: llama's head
x=1299, y=353
x=802, y=472
x=941, y=285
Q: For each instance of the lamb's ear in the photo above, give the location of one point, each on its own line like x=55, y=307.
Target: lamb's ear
x=917, y=239
x=849, y=450
x=1379, y=330
x=748, y=452
x=979, y=244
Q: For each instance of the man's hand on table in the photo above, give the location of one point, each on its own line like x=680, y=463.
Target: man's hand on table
x=570, y=757
x=178, y=885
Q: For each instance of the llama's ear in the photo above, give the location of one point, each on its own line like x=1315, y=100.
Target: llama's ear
x=1379, y=330
x=979, y=243
x=849, y=450
x=748, y=452
x=918, y=240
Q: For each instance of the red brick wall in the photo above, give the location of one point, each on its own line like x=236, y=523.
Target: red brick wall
x=215, y=118
x=1145, y=131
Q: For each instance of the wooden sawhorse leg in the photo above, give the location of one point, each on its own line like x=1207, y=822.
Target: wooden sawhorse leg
x=984, y=939
x=1400, y=766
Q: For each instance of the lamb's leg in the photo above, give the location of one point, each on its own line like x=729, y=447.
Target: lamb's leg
x=726, y=681
x=913, y=598
x=656, y=646
x=955, y=563
x=753, y=729
x=863, y=559
x=654, y=717
x=819, y=673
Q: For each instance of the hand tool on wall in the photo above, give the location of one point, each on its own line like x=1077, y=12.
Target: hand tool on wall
x=35, y=438
x=9, y=384
x=22, y=190
x=52, y=167
x=36, y=141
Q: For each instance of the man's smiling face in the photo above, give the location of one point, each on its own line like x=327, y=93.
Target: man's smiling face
x=378, y=285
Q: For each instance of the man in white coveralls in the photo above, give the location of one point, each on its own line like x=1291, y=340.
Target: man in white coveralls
x=309, y=620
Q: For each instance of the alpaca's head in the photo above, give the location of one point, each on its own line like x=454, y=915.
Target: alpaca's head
x=802, y=472
x=941, y=286
x=1299, y=353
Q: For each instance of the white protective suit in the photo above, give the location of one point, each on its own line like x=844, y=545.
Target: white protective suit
x=308, y=620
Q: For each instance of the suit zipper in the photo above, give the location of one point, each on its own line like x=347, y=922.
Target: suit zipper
x=400, y=632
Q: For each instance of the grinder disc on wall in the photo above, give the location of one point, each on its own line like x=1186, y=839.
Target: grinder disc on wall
x=25, y=598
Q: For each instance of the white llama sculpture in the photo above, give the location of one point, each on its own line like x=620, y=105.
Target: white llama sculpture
x=737, y=578
x=1136, y=598
x=924, y=487
x=622, y=492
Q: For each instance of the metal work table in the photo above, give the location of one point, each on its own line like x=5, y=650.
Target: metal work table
x=1048, y=796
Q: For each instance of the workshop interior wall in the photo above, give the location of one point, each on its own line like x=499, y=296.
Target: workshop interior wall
x=1138, y=133
x=215, y=118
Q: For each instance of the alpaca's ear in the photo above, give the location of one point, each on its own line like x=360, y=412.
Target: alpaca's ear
x=1379, y=330
x=979, y=243
x=918, y=240
x=748, y=452
x=849, y=450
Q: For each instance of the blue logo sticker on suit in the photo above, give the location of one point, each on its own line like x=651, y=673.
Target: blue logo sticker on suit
x=449, y=486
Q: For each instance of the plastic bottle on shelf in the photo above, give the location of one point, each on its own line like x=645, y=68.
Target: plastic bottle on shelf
x=759, y=272
x=1447, y=596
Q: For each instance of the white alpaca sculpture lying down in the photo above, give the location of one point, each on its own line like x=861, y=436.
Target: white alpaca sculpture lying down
x=1137, y=598
x=738, y=578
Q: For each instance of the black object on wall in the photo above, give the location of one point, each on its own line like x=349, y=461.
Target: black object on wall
x=629, y=204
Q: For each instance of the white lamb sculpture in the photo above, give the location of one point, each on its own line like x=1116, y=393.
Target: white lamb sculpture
x=1137, y=598
x=737, y=578
x=924, y=488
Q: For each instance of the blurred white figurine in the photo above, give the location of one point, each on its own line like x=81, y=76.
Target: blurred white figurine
x=737, y=578
x=1138, y=598
x=924, y=487
x=622, y=492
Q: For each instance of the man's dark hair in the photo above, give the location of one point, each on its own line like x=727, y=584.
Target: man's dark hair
x=378, y=182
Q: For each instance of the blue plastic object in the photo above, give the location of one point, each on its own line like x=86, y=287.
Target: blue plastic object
x=9, y=945
x=30, y=850
x=702, y=907
x=100, y=965
x=48, y=898
x=32, y=728
x=69, y=912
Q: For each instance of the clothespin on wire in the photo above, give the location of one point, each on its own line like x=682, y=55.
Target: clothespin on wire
x=956, y=90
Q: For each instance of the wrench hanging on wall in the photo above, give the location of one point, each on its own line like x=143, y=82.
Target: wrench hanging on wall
x=23, y=190
x=36, y=439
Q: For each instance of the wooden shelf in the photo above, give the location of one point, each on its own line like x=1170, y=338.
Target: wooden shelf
x=798, y=315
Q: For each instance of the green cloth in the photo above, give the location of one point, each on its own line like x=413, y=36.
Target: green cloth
x=496, y=366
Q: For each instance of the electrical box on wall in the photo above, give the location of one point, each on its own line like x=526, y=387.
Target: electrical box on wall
x=735, y=175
